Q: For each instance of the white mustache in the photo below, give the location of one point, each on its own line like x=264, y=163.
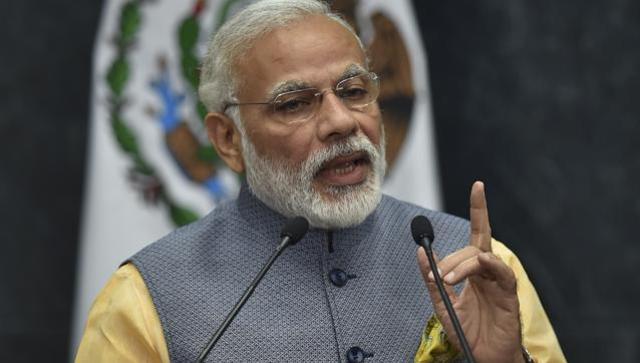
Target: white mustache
x=316, y=161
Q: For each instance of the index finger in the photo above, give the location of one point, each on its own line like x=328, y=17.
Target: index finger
x=479, y=215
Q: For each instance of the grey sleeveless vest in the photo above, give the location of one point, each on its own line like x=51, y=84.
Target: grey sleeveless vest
x=349, y=295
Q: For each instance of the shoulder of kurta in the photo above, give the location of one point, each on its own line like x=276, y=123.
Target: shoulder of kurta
x=123, y=324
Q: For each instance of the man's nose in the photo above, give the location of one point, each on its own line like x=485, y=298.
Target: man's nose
x=335, y=119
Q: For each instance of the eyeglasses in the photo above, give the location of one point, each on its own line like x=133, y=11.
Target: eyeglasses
x=356, y=93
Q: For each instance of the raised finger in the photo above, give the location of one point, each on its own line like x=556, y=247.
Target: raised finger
x=479, y=215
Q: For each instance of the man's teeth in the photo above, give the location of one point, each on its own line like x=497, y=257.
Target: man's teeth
x=345, y=168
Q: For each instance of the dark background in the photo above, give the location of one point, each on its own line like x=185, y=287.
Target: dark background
x=536, y=98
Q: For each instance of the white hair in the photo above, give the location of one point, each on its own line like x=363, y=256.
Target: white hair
x=218, y=80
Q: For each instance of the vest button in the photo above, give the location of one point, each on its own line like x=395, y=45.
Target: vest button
x=338, y=277
x=355, y=355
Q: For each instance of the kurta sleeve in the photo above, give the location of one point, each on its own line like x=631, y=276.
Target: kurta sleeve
x=123, y=325
x=537, y=333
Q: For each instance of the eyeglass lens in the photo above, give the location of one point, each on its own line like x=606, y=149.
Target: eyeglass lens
x=355, y=93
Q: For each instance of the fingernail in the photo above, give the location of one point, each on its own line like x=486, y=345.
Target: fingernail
x=450, y=276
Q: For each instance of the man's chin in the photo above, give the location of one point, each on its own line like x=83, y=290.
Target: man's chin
x=343, y=206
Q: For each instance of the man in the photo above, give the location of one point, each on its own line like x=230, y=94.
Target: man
x=293, y=105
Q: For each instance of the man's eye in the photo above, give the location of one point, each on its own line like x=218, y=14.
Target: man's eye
x=353, y=93
x=290, y=106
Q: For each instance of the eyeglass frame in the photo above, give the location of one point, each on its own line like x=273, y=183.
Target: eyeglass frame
x=319, y=94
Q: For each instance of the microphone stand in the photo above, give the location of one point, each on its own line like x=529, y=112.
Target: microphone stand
x=247, y=294
x=447, y=303
x=293, y=231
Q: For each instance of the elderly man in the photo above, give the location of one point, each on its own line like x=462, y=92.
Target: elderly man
x=293, y=105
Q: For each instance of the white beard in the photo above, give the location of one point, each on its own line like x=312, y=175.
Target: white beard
x=289, y=190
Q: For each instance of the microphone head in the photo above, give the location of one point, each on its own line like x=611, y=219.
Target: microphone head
x=295, y=229
x=420, y=229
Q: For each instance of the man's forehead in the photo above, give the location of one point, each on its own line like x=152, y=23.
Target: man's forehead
x=316, y=52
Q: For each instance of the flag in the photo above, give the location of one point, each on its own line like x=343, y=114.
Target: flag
x=150, y=167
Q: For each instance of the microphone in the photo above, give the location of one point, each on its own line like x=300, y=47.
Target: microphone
x=421, y=229
x=292, y=232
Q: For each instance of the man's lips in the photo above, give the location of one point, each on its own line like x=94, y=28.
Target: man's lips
x=345, y=170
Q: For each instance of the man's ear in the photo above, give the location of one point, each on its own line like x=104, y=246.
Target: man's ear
x=225, y=137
